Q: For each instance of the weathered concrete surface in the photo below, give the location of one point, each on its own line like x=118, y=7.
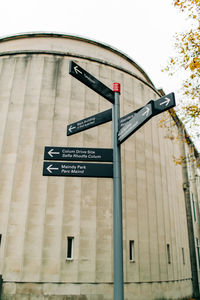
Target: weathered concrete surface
x=38, y=98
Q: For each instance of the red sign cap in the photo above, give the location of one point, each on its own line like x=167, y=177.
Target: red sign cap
x=116, y=87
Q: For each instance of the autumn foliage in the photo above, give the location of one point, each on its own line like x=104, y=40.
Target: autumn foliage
x=187, y=59
x=187, y=56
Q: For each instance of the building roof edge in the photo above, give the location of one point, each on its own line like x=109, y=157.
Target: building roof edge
x=80, y=38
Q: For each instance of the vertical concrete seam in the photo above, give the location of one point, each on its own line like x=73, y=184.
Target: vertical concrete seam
x=4, y=245
x=17, y=148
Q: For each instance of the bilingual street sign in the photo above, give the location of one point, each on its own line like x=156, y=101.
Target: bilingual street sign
x=159, y=106
x=123, y=120
x=78, y=154
x=98, y=119
x=95, y=120
x=140, y=118
x=89, y=80
x=77, y=169
x=164, y=103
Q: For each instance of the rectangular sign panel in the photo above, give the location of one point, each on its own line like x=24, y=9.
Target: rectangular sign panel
x=89, y=80
x=77, y=169
x=78, y=154
x=90, y=122
x=123, y=120
x=140, y=118
x=98, y=119
x=164, y=103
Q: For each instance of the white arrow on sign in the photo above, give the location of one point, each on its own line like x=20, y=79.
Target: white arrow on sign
x=71, y=128
x=166, y=102
x=51, y=153
x=49, y=168
x=146, y=112
x=77, y=70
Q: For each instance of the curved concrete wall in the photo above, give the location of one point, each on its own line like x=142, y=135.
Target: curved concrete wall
x=38, y=98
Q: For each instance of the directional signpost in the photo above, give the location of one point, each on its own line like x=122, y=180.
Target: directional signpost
x=135, y=123
x=77, y=169
x=78, y=154
x=90, y=122
x=117, y=203
x=125, y=119
x=164, y=103
x=144, y=114
x=95, y=120
x=89, y=80
x=122, y=129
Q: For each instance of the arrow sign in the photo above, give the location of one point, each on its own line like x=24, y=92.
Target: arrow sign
x=138, y=119
x=123, y=120
x=164, y=103
x=50, y=168
x=52, y=153
x=78, y=154
x=77, y=169
x=89, y=80
x=90, y=122
x=98, y=119
x=146, y=111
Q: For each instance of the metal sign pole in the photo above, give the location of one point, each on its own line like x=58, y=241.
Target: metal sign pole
x=117, y=202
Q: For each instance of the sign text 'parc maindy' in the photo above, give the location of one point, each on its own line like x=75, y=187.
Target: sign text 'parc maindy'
x=107, y=161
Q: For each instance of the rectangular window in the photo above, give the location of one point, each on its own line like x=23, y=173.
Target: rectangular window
x=168, y=254
x=70, y=242
x=198, y=251
x=183, y=255
x=131, y=251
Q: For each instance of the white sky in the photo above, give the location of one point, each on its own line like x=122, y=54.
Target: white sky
x=143, y=29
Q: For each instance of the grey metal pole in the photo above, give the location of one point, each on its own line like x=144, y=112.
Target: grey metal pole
x=117, y=202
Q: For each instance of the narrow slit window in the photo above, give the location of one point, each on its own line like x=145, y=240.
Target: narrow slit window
x=131, y=251
x=168, y=254
x=70, y=244
x=198, y=251
x=183, y=256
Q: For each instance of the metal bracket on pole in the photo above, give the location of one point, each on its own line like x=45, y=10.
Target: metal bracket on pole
x=117, y=201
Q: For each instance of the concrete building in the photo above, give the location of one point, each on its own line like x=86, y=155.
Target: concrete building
x=56, y=232
x=191, y=178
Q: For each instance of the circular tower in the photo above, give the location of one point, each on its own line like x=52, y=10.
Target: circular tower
x=57, y=232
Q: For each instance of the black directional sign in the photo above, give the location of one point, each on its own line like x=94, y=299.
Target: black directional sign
x=164, y=103
x=78, y=154
x=90, y=122
x=141, y=117
x=123, y=120
x=77, y=169
x=98, y=119
x=89, y=80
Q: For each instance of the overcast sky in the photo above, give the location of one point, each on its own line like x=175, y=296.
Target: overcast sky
x=142, y=29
